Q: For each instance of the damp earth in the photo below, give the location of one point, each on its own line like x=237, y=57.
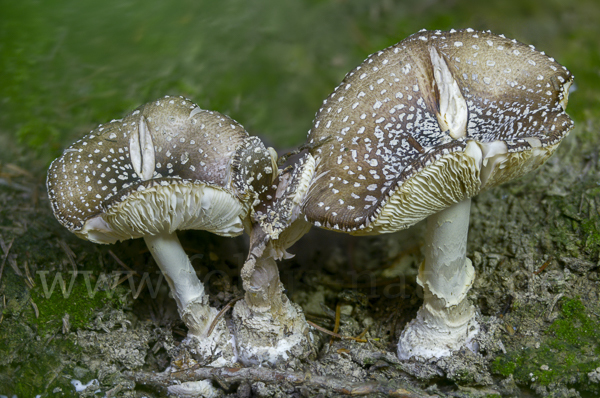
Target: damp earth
x=79, y=314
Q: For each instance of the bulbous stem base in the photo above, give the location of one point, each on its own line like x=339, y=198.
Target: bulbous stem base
x=268, y=327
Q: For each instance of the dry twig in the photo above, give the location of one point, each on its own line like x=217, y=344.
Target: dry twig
x=220, y=314
x=270, y=376
x=543, y=267
x=6, y=250
x=70, y=254
x=339, y=336
x=338, y=315
x=35, y=309
x=28, y=275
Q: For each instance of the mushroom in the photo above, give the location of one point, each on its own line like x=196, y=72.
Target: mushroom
x=414, y=132
x=167, y=166
x=268, y=326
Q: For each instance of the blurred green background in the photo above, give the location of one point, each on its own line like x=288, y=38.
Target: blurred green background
x=66, y=66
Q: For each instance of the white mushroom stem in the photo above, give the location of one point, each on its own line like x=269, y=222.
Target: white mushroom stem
x=446, y=321
x=269, y=327
x=185, y=286
x=263, y=287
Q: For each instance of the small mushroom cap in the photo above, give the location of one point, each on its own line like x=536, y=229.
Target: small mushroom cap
x=168, y=165
x=279, y=207
x=429, y=122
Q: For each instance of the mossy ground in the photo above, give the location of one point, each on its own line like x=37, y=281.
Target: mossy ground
x=535, y=243
x=569, y=351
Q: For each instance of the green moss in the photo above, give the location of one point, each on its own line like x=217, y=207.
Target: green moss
x=575, y=329
x=31, y=364
x=504, y=366
x=58, y=294
x=41, y=372
x=569, y=350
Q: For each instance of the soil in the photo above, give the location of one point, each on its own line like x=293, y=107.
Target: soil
x=534, y=244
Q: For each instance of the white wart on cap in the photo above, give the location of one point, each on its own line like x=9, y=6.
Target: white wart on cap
x=429, y=122
x=167, y=166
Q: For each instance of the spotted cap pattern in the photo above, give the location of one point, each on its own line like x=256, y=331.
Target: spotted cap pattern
x=280, y=206
x=254, y=168
x=421, y=102
x=166, y=142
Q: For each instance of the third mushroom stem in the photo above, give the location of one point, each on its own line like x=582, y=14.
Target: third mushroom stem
x=262, y=285
x=269, y=327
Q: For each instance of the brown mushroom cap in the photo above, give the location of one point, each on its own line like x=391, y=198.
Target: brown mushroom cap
x=167, y=165
x=396, y=153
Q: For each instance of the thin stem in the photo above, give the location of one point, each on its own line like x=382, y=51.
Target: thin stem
x=339, y=336
x=175, y=264
x=305, y=380
x=221, y=314
x=185, y=286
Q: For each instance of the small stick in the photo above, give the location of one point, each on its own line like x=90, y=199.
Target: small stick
x=70, y=254
x=6, y=250
x=305, y=379
x=339, y=336
x=338, y=315
x=415, y=143
x=15, y=266
x=543, y=267
x=123, y=279
x=364, y=332
x=28, y=273
x=35, y=309
x=121, y=263
x=220, y=315
x=142, y=283
x=283, y=158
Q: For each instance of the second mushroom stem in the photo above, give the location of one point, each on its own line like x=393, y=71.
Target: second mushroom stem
x=186, y=288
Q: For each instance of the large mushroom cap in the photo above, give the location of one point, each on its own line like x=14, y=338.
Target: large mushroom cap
x=429, y=122
x=168, y=165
